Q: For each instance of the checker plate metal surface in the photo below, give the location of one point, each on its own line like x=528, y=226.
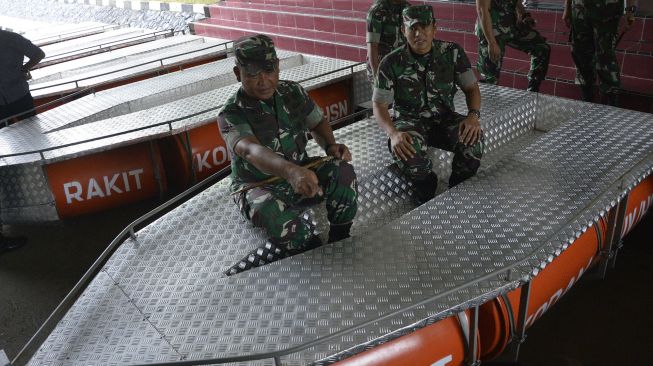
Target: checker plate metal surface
x=519, y=213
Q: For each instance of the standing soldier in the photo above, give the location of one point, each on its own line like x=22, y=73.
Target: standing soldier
x=383, y=31
x=594, y=25
x=420, y=78
x=265, y=124
x=504, y=23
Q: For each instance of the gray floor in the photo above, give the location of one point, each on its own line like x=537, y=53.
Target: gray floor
x=598, y=323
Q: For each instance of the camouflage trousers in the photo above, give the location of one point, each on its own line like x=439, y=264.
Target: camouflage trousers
x=442, y=134
x=278, y=209
x=525, y=39
x=594, y=36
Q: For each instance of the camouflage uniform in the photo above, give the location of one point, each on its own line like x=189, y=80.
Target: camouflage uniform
x=600, y=18
x=282, y=125
x=384, y=27
x=508, y=31
x=422, y=90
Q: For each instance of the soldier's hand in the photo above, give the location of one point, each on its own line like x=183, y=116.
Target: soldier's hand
x=495, y=52
x=566, y=16
x=470, y=131
x=304, y=182
x=339, y=151
x=401, y=144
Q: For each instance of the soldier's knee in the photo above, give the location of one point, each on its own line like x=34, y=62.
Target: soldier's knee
x=346, y=174
x=418, y=167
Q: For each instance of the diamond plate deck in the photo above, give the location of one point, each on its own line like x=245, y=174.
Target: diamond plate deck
x=527, y=204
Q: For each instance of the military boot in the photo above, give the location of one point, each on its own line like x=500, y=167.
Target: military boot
x=425, y=188
x=612, y=99
x=338, y=232
x=588, y=93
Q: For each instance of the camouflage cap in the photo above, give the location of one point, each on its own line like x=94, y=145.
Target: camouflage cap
x=255, y=53
x=422, y=14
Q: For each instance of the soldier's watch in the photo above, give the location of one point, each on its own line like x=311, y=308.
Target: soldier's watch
x=631, y=9
x=475, y=112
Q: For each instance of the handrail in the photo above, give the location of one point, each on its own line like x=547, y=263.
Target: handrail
x=39, y=337
x=104, y=45
x=59, y=36
x=168, y=122
x=160, y=61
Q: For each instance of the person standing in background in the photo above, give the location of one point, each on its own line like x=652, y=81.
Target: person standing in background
x=504, y=23
x=15, y=97
x=594, y=25
x=383, y=32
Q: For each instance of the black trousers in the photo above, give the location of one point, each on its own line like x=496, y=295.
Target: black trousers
x=23, y=104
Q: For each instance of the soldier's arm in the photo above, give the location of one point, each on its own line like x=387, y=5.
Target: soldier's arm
x=303, y=180
x=485, y=20
x=373, y=56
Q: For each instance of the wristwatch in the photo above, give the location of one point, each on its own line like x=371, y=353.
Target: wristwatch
x=631, y=9
x=476, y=112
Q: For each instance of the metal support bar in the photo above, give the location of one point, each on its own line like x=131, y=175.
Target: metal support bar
x=613, y=236
x=512, y=351
x=472, y=351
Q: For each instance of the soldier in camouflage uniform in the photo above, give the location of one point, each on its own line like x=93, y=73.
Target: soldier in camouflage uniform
x=504, y=23
x=594, y=25
x=420, y=78
x=383, y=31
x=265, y=124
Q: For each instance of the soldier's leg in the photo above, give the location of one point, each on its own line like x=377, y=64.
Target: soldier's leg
x=488, y=69
x=582, y=50
x=606, y=57
x=466, y=159
x=272, y=208
x=531, y=41
x=340, y=186
x=418, y=168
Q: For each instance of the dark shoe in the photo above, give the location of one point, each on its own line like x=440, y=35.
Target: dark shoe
x=339, y=232
x=425, y=188
x=612, y=99
x=588, y=93
x=534, y=85
x=7, y=244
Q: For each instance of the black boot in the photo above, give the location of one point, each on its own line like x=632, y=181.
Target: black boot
x=7, y=244
x=612, y=99
x=425, y=188
x=588, y=93
x=338, y=232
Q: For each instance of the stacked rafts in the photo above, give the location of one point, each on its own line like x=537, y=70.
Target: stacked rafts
x=137, y=122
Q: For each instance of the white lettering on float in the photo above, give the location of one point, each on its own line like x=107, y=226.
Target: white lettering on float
x=443, y=361
x=557, y=295
x=74, y=190
x=218, y=156
x=336, y=110
x=632, y=218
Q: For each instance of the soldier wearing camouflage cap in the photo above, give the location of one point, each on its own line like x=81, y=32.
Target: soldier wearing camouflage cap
x=265, y=124
x=420, y=80
x=504, y=23
x=383, y=31
x=594, y=25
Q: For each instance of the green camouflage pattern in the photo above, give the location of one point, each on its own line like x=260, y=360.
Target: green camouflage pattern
x=281, y=125
x=384, y=26
x=255, y=53
x=417, y=14
x=596, y=56
x=508, y=32
x=423, y=87
x=279, y=210
x=441, y=134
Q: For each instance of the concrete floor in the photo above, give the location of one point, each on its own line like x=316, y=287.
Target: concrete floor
x=598, y=323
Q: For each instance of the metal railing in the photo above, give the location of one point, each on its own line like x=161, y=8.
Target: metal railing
x=81, y=31
x=168, y=122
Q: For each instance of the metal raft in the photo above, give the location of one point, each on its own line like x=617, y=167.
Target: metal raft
x=553, y=167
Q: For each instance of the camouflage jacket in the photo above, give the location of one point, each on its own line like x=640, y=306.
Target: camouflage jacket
x=504, y=17
x=423, y=88
x=281, y=125
x=384, y=25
